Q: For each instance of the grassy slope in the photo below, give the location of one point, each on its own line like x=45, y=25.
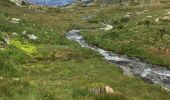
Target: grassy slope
x=139, y=36
x=52, y=67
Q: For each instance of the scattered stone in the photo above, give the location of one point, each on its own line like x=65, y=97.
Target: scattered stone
x=157, y=19
x=149, y=16
x=142, y=12
x=29, y=35
x=107, y=27
x=15, y=20
x=164, y=19
x=24, y=32
x=15, y=34
x=32, y=37
x=15, y=79
x=146, y=10
x=168, y=13
x=126, y=71
x=166, y=10
x=5, y=40
x=1, y=78
x=128, y=15
x=17, y=2
x=139, y=13
x=109, y=90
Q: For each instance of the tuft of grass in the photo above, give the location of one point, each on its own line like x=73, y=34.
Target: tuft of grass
x=109, y=97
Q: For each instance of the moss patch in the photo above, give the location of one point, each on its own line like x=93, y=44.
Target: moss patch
x=28, y=48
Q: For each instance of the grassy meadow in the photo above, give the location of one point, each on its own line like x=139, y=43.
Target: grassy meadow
x=54, y=68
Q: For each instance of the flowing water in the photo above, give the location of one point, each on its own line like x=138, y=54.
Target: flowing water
x=131, y=66
x=51, y=2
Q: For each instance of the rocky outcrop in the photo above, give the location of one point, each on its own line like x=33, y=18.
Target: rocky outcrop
x=17, y=2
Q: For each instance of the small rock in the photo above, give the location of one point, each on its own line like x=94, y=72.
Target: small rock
x=168, y=13
x=149, y=16
x=145, y=72
x=146, y=10
x=166, y=10
x=128, y=15
x=109, y=90
x=164, y=19
x=24, y=32
x=139, y=13
x=1, y=78
x=157, y=19
x=127, y=71
x=107, y=27
x=29, y=35
x=17, y=2
x=15, y=79
x=15, y=34
x=32, y=37
x=15, y=20
x=7, y=39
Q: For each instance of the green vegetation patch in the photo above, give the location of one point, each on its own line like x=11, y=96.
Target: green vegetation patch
x=28, y=48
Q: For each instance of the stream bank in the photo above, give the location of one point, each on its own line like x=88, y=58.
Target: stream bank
x=131, y=66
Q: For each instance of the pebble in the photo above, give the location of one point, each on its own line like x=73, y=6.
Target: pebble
x=15, y=79
x=15, y=20
x=1, y=78
x=32, y=37
x=109, y=90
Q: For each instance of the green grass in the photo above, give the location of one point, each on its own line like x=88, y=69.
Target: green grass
x=52, y=67
x=138, y=36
